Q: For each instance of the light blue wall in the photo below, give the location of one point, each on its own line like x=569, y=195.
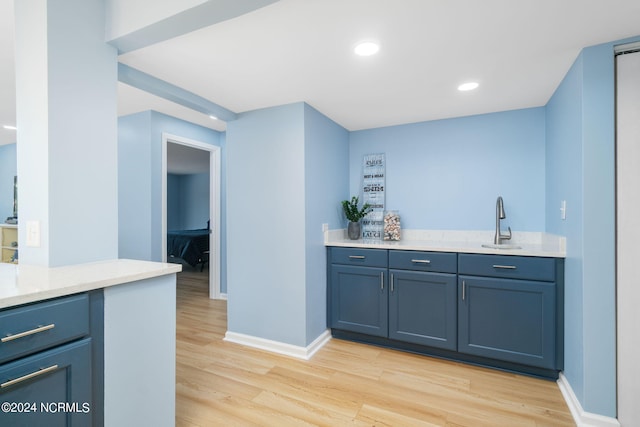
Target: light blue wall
x=140, y=180
x=599, y=266
x=281, y=190
x=187, y=201
x=8, y=169
x=581, y=170
x=134, y=186
x=564, y=171
x=266, y=224
x=66, y=87
x=326, y=160
x=447, y=174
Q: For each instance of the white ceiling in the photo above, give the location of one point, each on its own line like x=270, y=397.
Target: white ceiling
x=301, y=50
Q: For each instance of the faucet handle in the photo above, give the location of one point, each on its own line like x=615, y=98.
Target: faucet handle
x=506, y=236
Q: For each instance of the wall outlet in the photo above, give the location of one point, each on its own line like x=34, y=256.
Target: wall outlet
x=563, y=209
x=33, y=234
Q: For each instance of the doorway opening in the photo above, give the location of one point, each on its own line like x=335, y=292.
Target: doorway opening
x=213, y=153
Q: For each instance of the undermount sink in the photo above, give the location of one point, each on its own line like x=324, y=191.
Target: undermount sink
x=501, y=246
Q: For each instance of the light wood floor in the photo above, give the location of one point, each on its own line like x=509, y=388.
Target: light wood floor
x=344, y=384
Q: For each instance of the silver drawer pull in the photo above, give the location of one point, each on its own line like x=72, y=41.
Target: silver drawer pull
x=505, y=267
x=29, y=376
x=356, y=256
x=27, y=333
x=421, y=261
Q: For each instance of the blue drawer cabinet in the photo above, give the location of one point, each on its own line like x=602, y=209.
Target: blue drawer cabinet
x=510, y=308
x=32, y=328
x=410, y=302
x=508, y=266
x=424, y=261
x=51, y=367
x=361, y=257
x=503, y=311
x=422, y=298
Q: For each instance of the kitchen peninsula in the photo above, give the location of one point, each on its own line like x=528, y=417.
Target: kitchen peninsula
x=94, y=329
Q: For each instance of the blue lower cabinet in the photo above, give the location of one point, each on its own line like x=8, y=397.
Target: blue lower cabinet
x=52, y=362
x=423, y=308
x=51, y=388
x=506, y=319
x=358, y=299
x=495, y=310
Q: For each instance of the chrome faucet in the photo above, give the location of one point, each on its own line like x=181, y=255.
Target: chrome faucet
x=499, y=237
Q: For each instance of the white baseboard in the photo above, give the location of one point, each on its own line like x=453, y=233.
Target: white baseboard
x=298, y=352
x=582, y=418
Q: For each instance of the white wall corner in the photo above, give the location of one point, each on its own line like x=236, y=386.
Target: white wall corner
x=582, y=418
x=304, y=353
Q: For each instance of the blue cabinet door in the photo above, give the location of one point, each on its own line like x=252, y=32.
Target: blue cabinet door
x=359, y=299
x=507, y=319
x=51, y=388
x=423, y=308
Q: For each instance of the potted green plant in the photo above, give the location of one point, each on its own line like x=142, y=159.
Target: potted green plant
x=354, y=215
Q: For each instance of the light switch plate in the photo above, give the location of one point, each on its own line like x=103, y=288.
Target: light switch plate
x=33, y=234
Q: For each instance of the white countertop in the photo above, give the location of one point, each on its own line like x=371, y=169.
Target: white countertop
x=531, y=243
x=21, y=284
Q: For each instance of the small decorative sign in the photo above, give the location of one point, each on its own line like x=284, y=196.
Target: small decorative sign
x=373, y=183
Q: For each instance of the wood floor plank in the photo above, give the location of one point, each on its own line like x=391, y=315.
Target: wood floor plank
x=345, y=384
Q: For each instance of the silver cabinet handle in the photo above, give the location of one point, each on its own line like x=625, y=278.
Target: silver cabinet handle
x=391, y=282
x=505, y=267
x=382, y=281
x=356, y=257
x=29, y=376
x=421, y=261
x=464, y=287
x=27, y=333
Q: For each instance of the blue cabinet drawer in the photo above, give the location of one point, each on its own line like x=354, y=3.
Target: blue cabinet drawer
x=440, y=262
x=356, y=256
x=32, y=328
x=508, y=266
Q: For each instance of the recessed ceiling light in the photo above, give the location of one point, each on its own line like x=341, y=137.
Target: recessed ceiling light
x=366, y=48
x=468, y=86
x=211, y=116
x=9, y=127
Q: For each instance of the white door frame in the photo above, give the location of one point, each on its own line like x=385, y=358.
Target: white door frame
x=214, y=205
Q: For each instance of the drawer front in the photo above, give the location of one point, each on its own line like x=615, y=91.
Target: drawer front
x=357, y=256
x=507, y=266
x=440, y=262
x=29, y=329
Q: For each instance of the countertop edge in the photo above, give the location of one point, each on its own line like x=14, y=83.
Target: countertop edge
x=34, y=283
